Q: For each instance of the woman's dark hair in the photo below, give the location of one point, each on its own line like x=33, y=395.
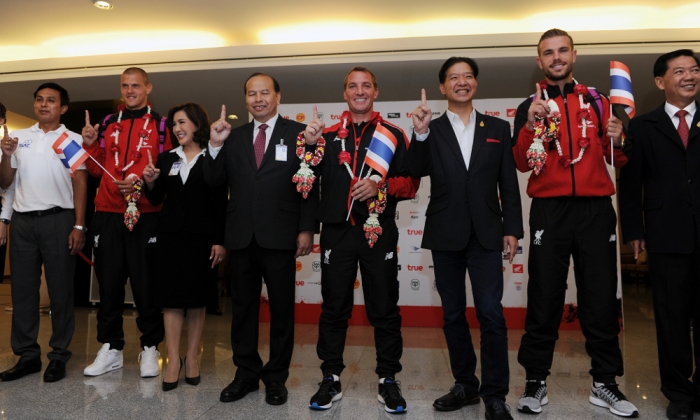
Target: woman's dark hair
x=199, y=118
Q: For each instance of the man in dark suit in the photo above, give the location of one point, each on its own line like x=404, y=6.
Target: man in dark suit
x=660, y=208
x=268, y=225
x=469, y=160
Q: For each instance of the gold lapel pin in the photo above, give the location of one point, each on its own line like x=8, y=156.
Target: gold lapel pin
x=481, y=124
x=698, y=124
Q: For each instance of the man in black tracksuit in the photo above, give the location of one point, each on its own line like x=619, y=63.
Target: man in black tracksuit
x=344, y=243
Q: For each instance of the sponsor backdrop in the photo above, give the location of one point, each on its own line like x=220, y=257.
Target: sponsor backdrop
x=419, y=300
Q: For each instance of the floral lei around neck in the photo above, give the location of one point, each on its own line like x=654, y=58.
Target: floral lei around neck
x=304, y=178
x=132, y=214
x=546, y=132
x=143, y=135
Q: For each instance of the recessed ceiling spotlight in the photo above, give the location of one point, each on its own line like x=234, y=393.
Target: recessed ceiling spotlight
x=101, y=4
x=233, y=117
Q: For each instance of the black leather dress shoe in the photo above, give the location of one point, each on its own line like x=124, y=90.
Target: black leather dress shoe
x=679, y=410
x=498, y=410
x=21, y=369
x=238, y=389
x=457, y=398
x=275, y=393
x=55, y=371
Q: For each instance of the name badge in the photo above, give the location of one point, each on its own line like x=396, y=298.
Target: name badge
x=281, y=152
x=175, y=169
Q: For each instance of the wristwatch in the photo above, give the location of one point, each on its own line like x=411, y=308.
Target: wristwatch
x=5, y=221
x=81, y=228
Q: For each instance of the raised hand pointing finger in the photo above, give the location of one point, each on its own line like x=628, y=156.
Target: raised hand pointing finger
x=223, y=112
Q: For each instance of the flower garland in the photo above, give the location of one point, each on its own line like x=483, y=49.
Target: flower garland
x=375, y=206
x=304, y=178
x=536, y=154
x=132, y=214
x=143, y=135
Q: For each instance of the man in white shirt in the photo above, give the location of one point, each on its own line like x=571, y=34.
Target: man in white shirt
x=48, y=227
x=659, y=208
x=473, y=217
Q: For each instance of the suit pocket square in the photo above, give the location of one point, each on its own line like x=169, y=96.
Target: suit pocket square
x=492, y=141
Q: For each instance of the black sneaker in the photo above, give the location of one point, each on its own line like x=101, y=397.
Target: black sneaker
x=390, y=395
x=328, y=393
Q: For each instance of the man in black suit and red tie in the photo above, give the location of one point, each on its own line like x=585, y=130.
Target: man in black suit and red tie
x=659, y=208
x=268, y=225
x=470, y=163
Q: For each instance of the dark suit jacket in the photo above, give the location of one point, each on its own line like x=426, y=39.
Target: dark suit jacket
x=460, y=198
x=660, y=185
x=262, y=201
x=193, y=206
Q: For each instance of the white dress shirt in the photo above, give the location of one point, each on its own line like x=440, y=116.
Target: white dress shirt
x=672, y=109
x=186, y=166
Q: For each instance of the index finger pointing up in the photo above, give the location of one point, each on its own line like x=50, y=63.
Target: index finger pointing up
x=223, y=112
x=423, y=100
x=150, y=159
x=5, y=129
x=87, y=119
x=538, y=91
x=315, y=113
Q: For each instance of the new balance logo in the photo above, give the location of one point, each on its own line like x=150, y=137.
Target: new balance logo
x=613, y=238
x=538, y=237
x=389, y=255
x=152, y=240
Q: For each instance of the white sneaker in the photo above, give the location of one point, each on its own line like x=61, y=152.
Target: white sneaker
x=106, y=361
x=149, y=362
x=610, y=397
x=534, y=397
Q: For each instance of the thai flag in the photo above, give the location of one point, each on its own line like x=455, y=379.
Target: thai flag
x=621, y=87
x=381, y=150
x=71, y=153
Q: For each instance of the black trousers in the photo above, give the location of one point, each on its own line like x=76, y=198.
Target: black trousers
x=38, y=240
x=121, y=254
x=583, y=228
x=675, y=282
x=486, y=276
x=343, y=246
x=277, y=267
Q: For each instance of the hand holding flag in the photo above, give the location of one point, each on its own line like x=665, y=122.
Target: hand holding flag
x=72, y=155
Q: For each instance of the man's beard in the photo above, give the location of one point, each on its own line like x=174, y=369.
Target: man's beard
x=558, y=77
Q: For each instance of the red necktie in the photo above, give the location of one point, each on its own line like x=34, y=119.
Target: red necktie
x=683, y=130
x=259, y=144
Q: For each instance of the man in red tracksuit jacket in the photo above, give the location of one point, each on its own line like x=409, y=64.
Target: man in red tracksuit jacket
x=571, y=215
x=124, y=248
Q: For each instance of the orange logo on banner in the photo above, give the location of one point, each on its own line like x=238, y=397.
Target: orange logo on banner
x=300, y=117
x=316, y=249
x=298, y=265
x=357, y=283
x=518, y=268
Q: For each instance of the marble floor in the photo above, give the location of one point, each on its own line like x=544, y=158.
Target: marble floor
x=122, y=394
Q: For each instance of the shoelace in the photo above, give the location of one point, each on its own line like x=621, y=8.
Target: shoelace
x=500, y=406
x=326, y=385
x=531, y=388
x=391, y=388
x=458, y=390
x=612, y=392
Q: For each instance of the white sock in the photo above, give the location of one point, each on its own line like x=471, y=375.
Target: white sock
x=336, y=378
x=598, y=384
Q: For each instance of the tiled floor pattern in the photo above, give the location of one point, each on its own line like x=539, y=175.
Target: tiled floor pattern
x=122, y=394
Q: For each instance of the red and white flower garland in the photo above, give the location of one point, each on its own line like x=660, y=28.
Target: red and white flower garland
x=304, y=178
x=143, y=135
x=536, y=154
x=132, y=214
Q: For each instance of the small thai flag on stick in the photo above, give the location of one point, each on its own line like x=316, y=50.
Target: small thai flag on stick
x=72, y=155
x=381, y=150
x=621, y=87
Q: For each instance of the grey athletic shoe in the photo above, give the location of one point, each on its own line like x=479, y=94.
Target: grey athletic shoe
x=610, y=397
x=534, y=397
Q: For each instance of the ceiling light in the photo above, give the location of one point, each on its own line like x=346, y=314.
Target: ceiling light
x=232, y=117
x=101, y=4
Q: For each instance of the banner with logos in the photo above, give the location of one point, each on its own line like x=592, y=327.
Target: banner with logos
x=419, y=300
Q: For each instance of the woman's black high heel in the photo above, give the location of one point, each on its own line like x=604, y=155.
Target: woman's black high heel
x=191, y=381
x=169, y=386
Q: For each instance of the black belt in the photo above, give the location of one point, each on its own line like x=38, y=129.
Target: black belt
x=46, y=212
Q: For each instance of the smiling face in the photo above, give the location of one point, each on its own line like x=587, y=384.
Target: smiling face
x=681, y=81
x=47, y=107
x=183, y=128
x=460, y=84
x=135, y=91
x=261, y=100
x=556, y=58
x=360, y=94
